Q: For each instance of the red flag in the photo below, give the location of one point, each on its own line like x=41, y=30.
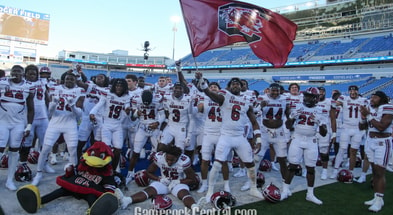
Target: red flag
x=216, y=23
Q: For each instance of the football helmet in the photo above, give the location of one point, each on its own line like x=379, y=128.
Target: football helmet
x=23, y=173
x=311, y=97
x=4, y=161
x=345, y=176
x=272, y=193
x=141, y=178
x=161, y=202
x=32, y=157
x=195, y=185
x=265, y=166
x=260, y=179
x=235, y=161
x=45, y=69
x=222, y=200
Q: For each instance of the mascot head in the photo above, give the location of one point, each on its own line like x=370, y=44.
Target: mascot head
x=97, y=160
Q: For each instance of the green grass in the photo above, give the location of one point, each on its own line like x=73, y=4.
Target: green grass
x=338, y=198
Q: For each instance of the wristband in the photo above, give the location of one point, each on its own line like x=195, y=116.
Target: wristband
x=334, y=135
x=204, y=85
x=257, y=131
x=135, y=115
x=258, y=140
x=363, y=121
x=166, y=121
x=28, y=127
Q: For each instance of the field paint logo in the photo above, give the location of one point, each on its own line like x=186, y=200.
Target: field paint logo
x=241, y=20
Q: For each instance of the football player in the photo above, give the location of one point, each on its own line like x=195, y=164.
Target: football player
x=306, y=120
x=378, y=118
x=176, y=173
x=65, y=109
x=16, y=117
x=237, y=111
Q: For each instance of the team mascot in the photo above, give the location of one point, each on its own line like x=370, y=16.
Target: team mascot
x=93, y=181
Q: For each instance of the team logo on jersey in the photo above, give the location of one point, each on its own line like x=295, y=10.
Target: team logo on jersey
x=237, y=19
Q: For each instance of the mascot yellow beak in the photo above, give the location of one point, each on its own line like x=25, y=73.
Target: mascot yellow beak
x=98, y=155
x=96, y=162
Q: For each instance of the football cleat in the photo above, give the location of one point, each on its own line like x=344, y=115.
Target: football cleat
x=313, y=199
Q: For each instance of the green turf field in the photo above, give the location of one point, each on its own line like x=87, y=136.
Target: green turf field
x=338, y=198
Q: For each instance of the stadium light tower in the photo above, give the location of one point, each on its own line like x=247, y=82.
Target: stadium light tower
x=175, y=19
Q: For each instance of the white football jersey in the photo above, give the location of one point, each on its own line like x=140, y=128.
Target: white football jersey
x=304, y=125
x=13, y=100
x=151, y=112
x=275, y=108
x=112, y=107
x=234, y=113
x=212, y=115
x=377, y=114
x=351, y=109
x=63, y=114
x=179, y=109
x=174, y=172
x=40, y=109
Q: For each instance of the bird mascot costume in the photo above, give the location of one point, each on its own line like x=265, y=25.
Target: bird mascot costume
x=93, y=181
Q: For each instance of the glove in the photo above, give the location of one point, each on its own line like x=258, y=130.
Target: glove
x=202, y=84
x=165, y=181
x=173, y=184
x=294, y=114
x=27, y=130
x=178, y=65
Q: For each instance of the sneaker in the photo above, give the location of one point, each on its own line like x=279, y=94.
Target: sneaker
x=370, y=202
x=389, y=168
x=334, y=174
x=240, y=173
x=195, y=161
x=52, y=159
x=37, y=179
x=285, y=194
x=130, y=176
x=274, y=167
x=125, y=201
x=142, y=155
x=256, y=193
x=202, y=203
x=230, y=167
x=313, y=199
x=66, y=156
x=378, y=204
x=324, y=174
x=202, y=189
x=246, y=186
x=10, y=185
x=48, y=169
x=361, y=179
